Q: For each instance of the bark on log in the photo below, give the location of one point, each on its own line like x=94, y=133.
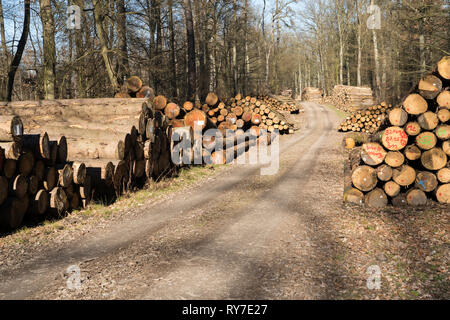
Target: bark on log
x=40, y=202
x=12, y=212
x=59, y=201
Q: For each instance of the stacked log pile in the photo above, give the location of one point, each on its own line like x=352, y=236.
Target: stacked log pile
x=312, y=94
x=350, y=99
x=408, y=162
x=368, y=120
x=101, y=148
x=279, y=105
x=243, y=113
x=35, y=177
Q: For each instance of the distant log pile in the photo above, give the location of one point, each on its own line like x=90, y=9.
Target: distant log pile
x=350, y=99
x=280, y=106
x=312, y=94
x=243, y=113
x=408, y=162
x=368, y=120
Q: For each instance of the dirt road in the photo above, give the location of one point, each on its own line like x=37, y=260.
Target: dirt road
x=239, y=235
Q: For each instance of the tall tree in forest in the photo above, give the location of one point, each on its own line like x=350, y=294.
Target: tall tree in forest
x=123, y=66
x=173, y=62
x=7, y=94
x=192, y=73
x=48, y=27
x=99, y=14
x=4, y=61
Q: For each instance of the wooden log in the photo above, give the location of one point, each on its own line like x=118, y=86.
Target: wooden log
x=443, y=115
x=39, y=144
x=443, y=132
x=86, y=148
x=394, y=138
x=65, y=175
x=426, y=181
x=434, y=159
x=352, y=195
x=12, y=150
x=12, y=212
x=413, y=128
x=384, y=172
x=376, y=199
x=398, y=117
x=415, y=104
x=146, y=92
x=364, y=178
x=19, y=186
x=444, y=67
x=412, y=153
x=394, y=159
x=3, y=189
x=134, y=84
x=373, y=153
x=9, y=168
x=62, y=150
x=428, y=120
x=212, y=99
x=426, y=140
x=443, y=99
x=79, y=172
x=11, y=127
x=172, y=110
x=85, y=188
x=443, y=175
x=59, y=203
x=33, y=185
x=39, y=169
x=195, y=118
x=50, y=178
x=446, y=147
x=40, y=202
x=404, y=176
x=160, y=102
x=26, y=163
x=416, y=197
x=400, y=201
x=430, y=86
x=392, y=189
x=443, y=193
x=188, y=106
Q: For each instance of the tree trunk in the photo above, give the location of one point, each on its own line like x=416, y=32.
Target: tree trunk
x=99, y=13
x=18, y=56
x=192, y=73
x=122, y=61
x=48, y=27
x=173, y=62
